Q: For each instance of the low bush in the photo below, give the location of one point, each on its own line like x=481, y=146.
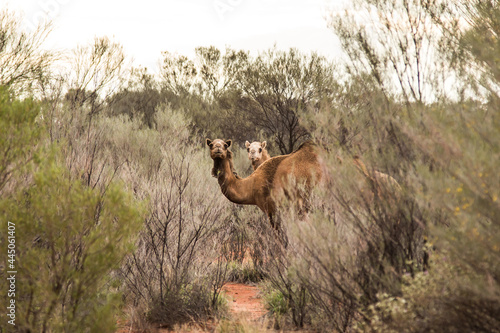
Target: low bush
x=69, y=240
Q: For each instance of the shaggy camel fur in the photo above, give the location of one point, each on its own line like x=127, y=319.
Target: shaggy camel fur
x=257, y=153
x=291, y=176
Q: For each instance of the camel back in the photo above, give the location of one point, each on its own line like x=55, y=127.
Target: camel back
x=301, y=164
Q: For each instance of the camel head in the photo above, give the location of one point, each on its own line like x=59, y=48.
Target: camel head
x=255, y=149
x=219, y=152
x=218, y=148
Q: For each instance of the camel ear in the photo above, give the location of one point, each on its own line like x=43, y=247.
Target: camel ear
x=209, y=142
x=247, y=144
x=263, y=144
x=228, y=143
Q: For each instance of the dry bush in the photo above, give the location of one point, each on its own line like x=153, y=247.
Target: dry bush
x=96, y=71
x=275, y=255
x=176, y=273
x=175, y=253
x=359, y=245
x=365, y=258
x=460, y=292
x=358, y=239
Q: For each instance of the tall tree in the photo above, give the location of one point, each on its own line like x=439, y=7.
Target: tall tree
x=469, y=43
x=396, y=42
x=178, y=73
x=96, y=72
x=23, y=62
x=140, y=98
x=218, y=72
x=277, y=86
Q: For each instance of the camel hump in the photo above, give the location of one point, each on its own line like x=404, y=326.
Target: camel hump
x=305, y=152
x=304, y=165
x=307, y=144
x=306, y=155
x=301, y=164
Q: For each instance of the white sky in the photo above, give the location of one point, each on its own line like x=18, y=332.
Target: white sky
x=146, y=28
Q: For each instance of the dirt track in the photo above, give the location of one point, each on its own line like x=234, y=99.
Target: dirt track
x=245, y=305
x=245, y=301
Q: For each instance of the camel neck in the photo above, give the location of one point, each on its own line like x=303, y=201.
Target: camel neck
x=265, y=156
x=235, y=189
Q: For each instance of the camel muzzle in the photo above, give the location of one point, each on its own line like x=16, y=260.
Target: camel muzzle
x=218, y=153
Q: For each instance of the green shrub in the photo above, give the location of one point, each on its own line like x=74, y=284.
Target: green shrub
x=445, y=299
x=277, y=303
x=69, y=240
x=243, y=272
x=18, y=137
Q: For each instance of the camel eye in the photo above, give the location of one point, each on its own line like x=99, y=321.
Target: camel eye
x=260, y=150
x=248, y=149
x=211, y=146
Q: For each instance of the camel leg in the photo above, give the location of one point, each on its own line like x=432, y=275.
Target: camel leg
x=274, y=223
x=278, y=232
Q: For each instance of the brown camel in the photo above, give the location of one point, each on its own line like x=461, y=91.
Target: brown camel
x=257, y=153
x=380, y=183
x=292, y=176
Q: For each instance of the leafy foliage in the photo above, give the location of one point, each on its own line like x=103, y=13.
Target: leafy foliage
x=69, y=237
x=17, y=121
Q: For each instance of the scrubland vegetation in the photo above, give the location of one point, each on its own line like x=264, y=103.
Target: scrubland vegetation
x=105, y=173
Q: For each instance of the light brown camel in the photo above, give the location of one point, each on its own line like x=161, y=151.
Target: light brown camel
x=257, y=153
x=381, y=184
x=292, y=176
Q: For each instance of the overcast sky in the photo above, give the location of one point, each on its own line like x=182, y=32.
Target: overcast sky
x=147, y=27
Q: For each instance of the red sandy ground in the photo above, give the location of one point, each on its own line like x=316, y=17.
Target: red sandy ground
x=245, y=301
